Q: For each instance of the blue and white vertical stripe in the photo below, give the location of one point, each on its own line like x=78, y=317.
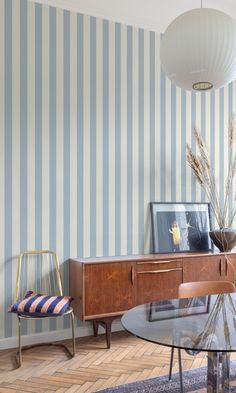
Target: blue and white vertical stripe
x=91, y=131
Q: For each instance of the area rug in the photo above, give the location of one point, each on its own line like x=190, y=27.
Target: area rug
x=194, y=382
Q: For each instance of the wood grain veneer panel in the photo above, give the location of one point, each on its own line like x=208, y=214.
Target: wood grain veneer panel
x=108, y=288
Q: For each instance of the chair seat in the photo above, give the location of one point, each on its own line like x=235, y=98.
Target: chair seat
x=40, y=316
x=39, y=306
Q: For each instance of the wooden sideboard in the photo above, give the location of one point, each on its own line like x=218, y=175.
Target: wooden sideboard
x=104, y=288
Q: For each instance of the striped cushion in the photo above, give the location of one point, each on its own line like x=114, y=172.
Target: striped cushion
x=41, y=305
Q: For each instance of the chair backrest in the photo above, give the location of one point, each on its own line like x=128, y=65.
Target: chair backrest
x=204, y=288
x=38, y=271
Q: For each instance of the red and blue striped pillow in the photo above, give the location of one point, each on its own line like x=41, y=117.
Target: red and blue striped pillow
x=35, y=304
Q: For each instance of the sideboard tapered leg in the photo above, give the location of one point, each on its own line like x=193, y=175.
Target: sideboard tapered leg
x=95, y=328
x=106, y=323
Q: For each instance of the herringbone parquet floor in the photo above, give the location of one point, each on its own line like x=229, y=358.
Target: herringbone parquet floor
x=47, y=369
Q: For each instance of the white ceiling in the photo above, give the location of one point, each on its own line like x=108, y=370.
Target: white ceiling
x=149, y=14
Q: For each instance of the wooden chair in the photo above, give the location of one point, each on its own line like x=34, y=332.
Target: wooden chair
x=195, y=289
x=204, y=288
x=39, y=271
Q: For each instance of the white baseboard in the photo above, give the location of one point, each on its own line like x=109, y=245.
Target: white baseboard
x=55, y=335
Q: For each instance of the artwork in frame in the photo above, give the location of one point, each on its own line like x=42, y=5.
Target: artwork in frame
x=180, y=227
x=176, y=308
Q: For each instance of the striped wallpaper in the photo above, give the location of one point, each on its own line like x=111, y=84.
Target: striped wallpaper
x=91, y=131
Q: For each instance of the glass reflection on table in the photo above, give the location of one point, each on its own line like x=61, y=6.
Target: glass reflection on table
x=194, y=324
x=205, y=323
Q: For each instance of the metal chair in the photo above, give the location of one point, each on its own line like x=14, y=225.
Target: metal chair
x=195, y=289
x=39, y=271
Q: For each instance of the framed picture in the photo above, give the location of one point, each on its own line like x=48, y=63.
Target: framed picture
x=180, y=227
x=177, y=308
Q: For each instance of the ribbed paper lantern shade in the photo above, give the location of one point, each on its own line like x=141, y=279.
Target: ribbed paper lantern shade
x=198, y=50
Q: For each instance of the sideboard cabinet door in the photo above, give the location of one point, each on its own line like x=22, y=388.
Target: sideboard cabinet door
x=204, y=268
x=108, y=288
x=229, y=261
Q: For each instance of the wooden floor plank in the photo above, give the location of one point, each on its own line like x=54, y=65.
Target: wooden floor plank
x=47, y=369
x=10, y=390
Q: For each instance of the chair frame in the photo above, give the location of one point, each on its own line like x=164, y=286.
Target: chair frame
x=23, y=317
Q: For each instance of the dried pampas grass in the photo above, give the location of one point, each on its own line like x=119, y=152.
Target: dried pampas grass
x=201, y=167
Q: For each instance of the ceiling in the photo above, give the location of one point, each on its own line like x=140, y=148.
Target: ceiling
x=150, y=14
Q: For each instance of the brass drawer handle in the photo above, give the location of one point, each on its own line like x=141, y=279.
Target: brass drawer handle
x=156, y=262
x=132, y=275
x=160, y=271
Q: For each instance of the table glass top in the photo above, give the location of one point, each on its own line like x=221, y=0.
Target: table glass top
x=206, y=323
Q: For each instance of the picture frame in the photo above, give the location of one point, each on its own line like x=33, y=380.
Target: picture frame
x=180, y=227
x=178, y=308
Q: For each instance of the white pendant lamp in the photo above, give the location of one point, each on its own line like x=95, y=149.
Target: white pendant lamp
x=198, y=50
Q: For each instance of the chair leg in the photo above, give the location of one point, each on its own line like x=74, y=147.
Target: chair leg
x=19, y=354
x=71, y=353
x=171, y=363
x=180, y=371
x=73, y=333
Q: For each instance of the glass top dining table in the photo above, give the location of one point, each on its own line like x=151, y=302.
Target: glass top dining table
x=206, y=323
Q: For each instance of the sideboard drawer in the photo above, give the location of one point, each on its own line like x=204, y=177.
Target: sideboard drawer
x=158, y=283
x=158, y=265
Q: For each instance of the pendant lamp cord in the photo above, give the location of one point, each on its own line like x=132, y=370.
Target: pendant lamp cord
x=201, y=3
